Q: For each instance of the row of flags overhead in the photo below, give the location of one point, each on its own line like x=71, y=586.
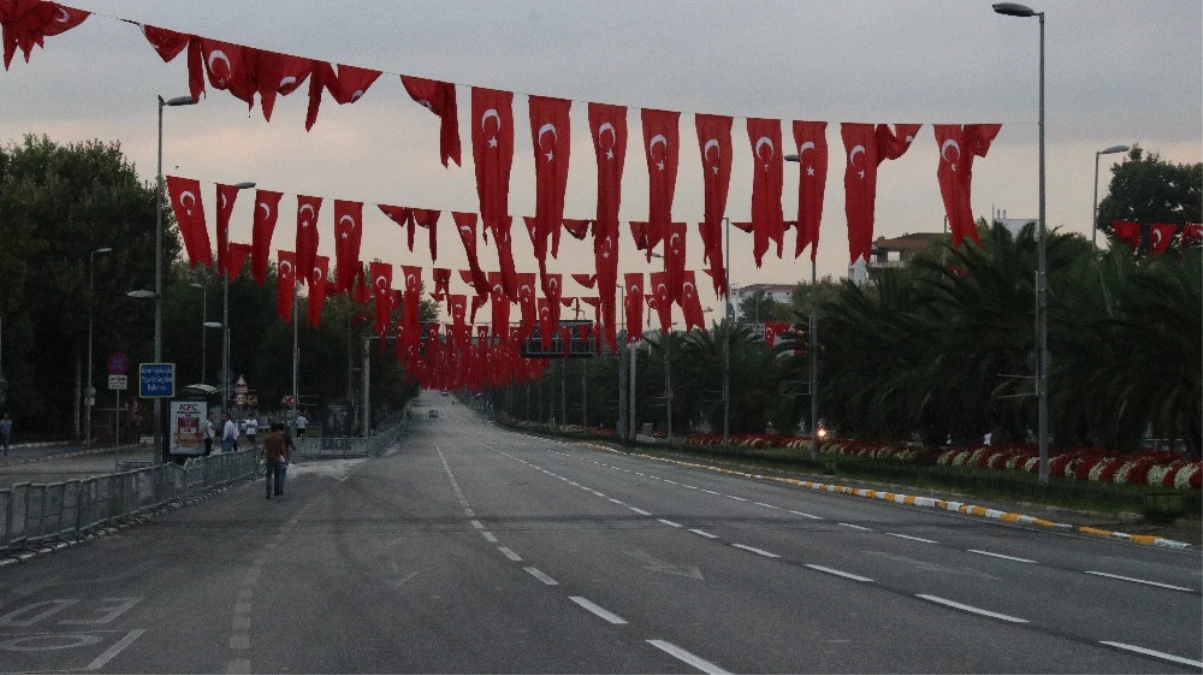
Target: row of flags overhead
x=1160, y=236
x=249, y=73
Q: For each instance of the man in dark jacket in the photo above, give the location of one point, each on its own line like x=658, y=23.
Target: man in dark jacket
x=275, y=456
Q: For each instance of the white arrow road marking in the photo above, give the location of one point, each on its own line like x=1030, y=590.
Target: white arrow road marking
x=657, y=565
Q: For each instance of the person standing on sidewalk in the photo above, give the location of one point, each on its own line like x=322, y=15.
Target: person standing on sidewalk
x=6, y=432
x=301, y=424
x=275, y=456
x=208, y=435
x=229, y=434
x=252, y=431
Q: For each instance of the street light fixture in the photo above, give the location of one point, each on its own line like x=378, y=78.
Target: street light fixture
x=1023, y=11
x=225, y=323
x=204, y=335
x=89, y=393
x=812, y=335
x=1094, y=214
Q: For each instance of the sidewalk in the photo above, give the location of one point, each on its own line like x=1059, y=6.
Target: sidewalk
x=39, y=452
x=70, y=466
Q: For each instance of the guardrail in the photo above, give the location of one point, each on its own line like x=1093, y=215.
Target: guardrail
x=348, y=447
x=33, y=514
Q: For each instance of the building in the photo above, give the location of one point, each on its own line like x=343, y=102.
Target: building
x=892, y=253
x=781, y=293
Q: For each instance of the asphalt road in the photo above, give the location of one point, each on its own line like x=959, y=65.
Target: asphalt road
x=473, y=549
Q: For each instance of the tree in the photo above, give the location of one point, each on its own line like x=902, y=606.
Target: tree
x=1149, y=189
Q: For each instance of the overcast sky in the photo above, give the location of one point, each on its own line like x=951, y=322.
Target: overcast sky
x=1117, y=73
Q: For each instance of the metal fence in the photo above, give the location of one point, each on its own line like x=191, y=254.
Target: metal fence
x=346, y=448
x=33, y=515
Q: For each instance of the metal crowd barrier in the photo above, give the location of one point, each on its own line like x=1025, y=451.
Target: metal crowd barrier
x=346, y=448
x=33, y=514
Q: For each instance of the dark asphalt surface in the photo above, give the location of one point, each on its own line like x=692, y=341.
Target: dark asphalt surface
x=473, y=549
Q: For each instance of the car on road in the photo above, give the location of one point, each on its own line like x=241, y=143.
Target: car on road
x=433, y=414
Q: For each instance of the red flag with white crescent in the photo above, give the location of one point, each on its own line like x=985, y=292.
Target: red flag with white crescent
x=226, y=196
x=382, y=286
x=465, y=225
x=230, y=67
x=429, y=219
x=674, y=258
x=551, y=137
x=236, y=256
x=662, y=147
x=27, y=23
x=402, y=216
x=772, y=329
x=438, y=98
x=810, y=141
x=605, y=257
x=442, y=283
x=166, y=42
x=526, y=302
x=958, y=146
x=317, y=290
x=662, y=292
x=286, y=284
x=505, y=257
x=768, y=170
x=500, y=305
x=866, y=147
x=1192, y=231
x=608, y=126
x=1161, y=235
x=413, y=300
x=633, y=282
x=549, y=320
x=714, y=140
x=308, y=236
x=578, y=228
x=278, y=75
x=347, y=85
x=190, y=217
x=267, y=212
x=691, y=304
x=586, y=280
x=348, y=233
x=492, y=149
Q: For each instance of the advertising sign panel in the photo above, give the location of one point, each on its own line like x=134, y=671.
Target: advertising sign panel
x=187, y=427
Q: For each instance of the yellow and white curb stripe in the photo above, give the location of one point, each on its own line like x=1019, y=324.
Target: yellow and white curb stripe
x=928, y=502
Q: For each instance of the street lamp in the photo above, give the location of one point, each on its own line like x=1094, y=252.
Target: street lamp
x=204, y=336
x=812, y=337
x=1022, y=11
x=225, y=323
x=158, y=409
x=1094, y=214
x=89, y=393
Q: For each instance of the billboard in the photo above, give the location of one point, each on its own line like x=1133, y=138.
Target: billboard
x=187, y=427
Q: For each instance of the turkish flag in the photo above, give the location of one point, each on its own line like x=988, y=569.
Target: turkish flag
x=586, y=280
x=382, y=287
x=363, y=288
x=772, y=329
x=279, y=75
x=605, y=258
x=229, y=67
x=674, y=259
x=608, y=126
x=442, y=283
x=578, y=228
x=767, y=178
x=551, y=136
x=457, y=307
x=500, y=305
x=347, y=85
x=190, y=216
x=958, y=146
x=317, y=289
x=866, y=147
x=810, y=137
x=403, y=216
x=1161, y=235
x=553, y=287
x=348, y=233
x=413, y=301
x=549, y=321
x=167, y=43
x=286, y=284
x=236, y=256
x=465, y=224
x=308, y=209
x=634, y=305
x=438, y=98
x=663, y=295
x=691, y=304
x=662, y=147
x=27, y=23
x=714, y=140
x=226, y=196
x=492, y=149
x=1192, y=231
x=267, y=211
x=505, y=257
x=526, y=302
x=429, y=219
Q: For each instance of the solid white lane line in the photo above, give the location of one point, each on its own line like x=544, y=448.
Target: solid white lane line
x=669, y=522
x=806, y=515
x=692, y=659
x=617, y=501
x=757, y=551
x=488, y=536
x=689, y=487
x=838, y=573
x=478, y=525
x=767, y=506
x=907, y=536
x=1153, y=652
x=509, y=554
x=969, y=608
x=599, y=611
x=541, y=576
x=1140, y=581
x=706, y=534
x=639, y=511
x=673, y=482
x=738, y=499
x=857, y=527
x=1000, y=555
x=709, y=492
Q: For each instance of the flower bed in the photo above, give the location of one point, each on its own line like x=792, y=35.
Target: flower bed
x=1155, y=468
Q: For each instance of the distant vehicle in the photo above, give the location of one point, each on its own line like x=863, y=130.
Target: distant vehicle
x=433, y=414
x=444, y=393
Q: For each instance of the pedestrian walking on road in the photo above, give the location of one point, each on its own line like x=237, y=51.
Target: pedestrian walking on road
x=275, y=456
x=229, y=434
x=252, y=431
x=301, y=424
x=6, y=432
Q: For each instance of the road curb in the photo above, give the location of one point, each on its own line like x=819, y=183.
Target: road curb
x=64, y=455
x=926, y=502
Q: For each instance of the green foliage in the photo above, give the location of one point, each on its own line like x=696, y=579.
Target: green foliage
x=1148, y=189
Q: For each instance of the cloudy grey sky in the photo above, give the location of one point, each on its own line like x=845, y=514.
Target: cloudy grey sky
x=1118, y=72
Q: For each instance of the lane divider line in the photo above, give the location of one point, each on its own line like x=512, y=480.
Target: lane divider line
x=692, y=659
x=534, y=572
x=704, y=533
x=970, y=608
x=505, y=551
x=909, y=537
x=1140, y=581
x=1000, y=555
x=757, y=551
x=839, y=573
x=599, y=611
x=1154, y=653
x=669, y=522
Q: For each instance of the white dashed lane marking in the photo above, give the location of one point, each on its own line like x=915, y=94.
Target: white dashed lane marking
x=907, y=536
x=599, y=611
x=534, y=572
x=1154, y=653
x=969, y=608
x=757, y=551
x=704, y=533
x=1000, y=555
x=692, y=659
x=839, y=573
x=1140, y=581
x=857, y=527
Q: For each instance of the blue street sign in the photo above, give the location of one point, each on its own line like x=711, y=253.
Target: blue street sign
x=156, y=380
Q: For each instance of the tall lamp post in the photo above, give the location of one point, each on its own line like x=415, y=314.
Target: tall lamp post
x=812, y=346
x=204, y=322
x=90, y=398
x=225, y=325
x=1094, y=213
x=1023, y=11
x=158, y=409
